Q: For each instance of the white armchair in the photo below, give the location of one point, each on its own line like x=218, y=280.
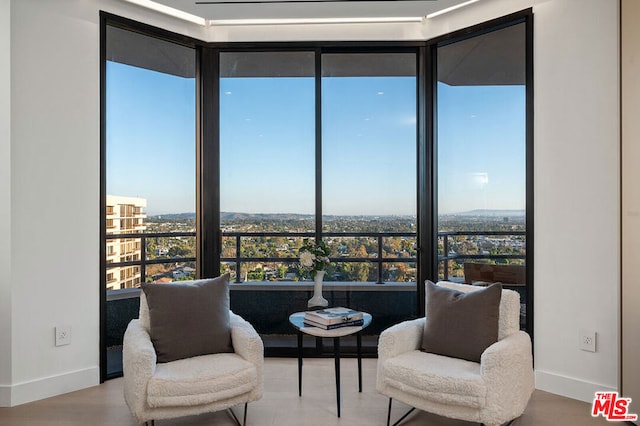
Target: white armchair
x=194, y=385
x=492, y=392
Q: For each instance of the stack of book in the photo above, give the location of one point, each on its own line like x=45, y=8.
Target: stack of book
x=331, y=318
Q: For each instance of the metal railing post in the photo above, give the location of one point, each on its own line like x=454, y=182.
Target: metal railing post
x=446, y=256
x=238, y=268
x=143, y=259
x=380, y=260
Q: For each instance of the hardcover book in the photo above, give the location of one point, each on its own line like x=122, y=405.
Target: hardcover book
x=331, y=316
x=354, y=323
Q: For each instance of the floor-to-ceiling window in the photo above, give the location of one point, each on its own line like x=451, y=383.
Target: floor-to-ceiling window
x=267, y=162
x=369, y=165
x=481, y=145
x=149, y=171
x=318, y=144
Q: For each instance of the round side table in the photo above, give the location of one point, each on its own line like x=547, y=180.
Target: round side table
x=297, y=321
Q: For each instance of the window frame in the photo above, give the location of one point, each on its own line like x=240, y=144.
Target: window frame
x=522, y=17
x=208, y=232
x=108, y=19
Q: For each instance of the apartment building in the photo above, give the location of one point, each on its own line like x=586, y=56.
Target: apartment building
x=125, y=215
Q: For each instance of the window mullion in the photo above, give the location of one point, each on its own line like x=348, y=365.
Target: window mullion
x=318, y=129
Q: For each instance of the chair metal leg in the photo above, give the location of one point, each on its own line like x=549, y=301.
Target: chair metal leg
x=505, y=423
x=235, y=419
x=233, y=416
x=401, y=418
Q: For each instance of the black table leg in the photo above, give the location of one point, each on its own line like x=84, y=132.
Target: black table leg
x=299, y=363
x=336, y=349
x=359, y=345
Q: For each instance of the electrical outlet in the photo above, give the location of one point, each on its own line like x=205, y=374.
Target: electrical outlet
x=587, y=340
x=63, y=335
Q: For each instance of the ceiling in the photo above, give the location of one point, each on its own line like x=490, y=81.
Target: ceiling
x=219, y=10
x=494, y=58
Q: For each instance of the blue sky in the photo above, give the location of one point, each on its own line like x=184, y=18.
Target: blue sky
x=267, y=142
x=151, y=138
x=481, y=148
x=268, y=145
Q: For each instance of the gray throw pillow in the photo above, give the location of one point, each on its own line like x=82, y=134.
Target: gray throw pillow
x=461, y=325
x=188, y=319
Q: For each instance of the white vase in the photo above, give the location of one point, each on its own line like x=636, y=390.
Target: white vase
x=317, y=300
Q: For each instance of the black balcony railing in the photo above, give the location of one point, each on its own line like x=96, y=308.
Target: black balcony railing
x=144, y=258
x=378, y=259
x=445, y=256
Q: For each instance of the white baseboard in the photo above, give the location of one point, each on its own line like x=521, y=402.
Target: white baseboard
x=5, y=396
x=33, y=390
x=569, y=386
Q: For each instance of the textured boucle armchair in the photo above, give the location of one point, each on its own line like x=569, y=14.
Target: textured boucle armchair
x=194, y=385
x=492, y=392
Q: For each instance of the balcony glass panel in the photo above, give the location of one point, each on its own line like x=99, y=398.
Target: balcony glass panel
x=229, y=268
x=399, y=246
x=169, y=272
x=399, y=272
x=365, y=271
x=355, y=247
x=168, y=247
x=268, y=246
x=267, y=272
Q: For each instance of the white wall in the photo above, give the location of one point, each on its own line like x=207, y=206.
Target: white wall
x=577, y=194
x=630, y=289
x=5, y=201
x=55, y=184
x=55, y=171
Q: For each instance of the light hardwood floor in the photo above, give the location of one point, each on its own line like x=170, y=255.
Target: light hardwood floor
x=281, y=406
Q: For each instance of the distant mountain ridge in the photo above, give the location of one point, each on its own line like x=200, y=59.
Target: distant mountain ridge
x=173, y=216
x=279, y=216
x=483, y=212
x=298, y=216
